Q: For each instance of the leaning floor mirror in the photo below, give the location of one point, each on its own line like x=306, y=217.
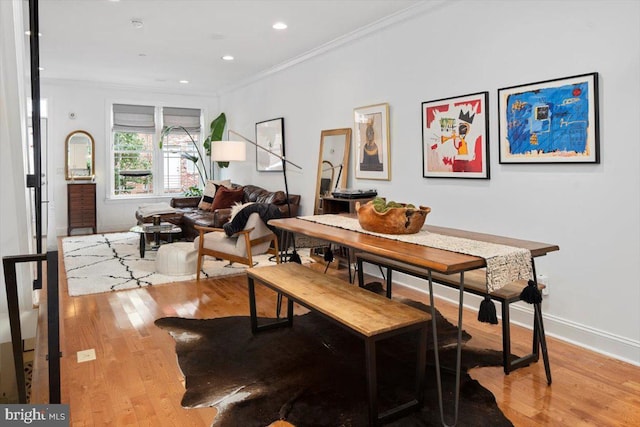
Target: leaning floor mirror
x=333, y=163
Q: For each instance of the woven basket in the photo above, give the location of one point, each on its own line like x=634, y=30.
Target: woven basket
x=394, y=221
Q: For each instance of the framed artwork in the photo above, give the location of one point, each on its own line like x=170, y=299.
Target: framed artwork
x=455, y=138
x=372, y=159
x=270, y=136
x=554, y=121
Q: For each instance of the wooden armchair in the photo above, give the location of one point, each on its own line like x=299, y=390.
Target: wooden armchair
x=255, y=239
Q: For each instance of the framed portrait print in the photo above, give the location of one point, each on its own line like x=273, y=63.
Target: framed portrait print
x=270, y=135
x=455, y=138
x=553, y=121
x=371, y=137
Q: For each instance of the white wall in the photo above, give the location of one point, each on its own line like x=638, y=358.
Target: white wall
x=445, y=49
x=591, y=211
x=91, y=105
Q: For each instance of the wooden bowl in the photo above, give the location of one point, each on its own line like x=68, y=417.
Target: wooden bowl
x=394, y=221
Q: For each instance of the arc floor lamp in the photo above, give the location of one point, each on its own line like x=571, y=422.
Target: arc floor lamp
x=235, y=151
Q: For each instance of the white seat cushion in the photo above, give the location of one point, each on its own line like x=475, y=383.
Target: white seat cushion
x=176, y=259
x=218, y=240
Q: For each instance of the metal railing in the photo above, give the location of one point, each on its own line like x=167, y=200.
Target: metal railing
x=53, y=321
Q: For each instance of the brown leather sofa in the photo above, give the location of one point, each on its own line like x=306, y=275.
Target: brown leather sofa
x=188, y=215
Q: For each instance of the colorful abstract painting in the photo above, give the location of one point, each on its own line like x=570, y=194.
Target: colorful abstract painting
x=555, y=121
x=455, y=138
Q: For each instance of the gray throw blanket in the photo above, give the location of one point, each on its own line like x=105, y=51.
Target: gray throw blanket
x=266, y=211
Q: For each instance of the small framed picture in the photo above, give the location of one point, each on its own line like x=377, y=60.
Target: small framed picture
x=455, y=138
x=270, y=135
x=372, y=143
x=553, y=121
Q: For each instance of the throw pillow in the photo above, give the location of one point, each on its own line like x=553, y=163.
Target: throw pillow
x=226, y=197
x=210, y=191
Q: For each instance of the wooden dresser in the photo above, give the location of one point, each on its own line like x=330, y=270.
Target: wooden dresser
x=81, y=206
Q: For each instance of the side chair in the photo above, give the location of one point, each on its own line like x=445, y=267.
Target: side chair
x=255, y=239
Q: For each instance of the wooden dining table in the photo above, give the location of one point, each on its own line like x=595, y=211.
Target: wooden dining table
x=429, y=258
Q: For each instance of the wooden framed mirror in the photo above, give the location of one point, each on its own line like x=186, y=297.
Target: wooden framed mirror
x=333, y=163
x=79, y=156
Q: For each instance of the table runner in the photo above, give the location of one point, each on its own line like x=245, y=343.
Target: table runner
x=504, y=263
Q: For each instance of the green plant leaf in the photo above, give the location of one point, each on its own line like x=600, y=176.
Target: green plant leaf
x=191, y=157
x=163, y=134
x=216, y=129
x=207, y=146
x=217, y=132
x=193, y=191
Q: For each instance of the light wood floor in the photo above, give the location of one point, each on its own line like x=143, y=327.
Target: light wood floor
x=135, y=379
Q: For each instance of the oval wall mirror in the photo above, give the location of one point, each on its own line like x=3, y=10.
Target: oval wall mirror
x=79, y=159
x=333, y=163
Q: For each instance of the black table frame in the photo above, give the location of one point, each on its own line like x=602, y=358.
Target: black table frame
x=370, y=353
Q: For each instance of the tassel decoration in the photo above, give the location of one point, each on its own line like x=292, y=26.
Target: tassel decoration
x=487, y=311
x=531, y=293
x=328, y=255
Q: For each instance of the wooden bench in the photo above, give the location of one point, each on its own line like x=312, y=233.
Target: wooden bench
x=474, y=282
x=368, y=315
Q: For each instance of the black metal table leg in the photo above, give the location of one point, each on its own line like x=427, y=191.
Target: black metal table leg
x=458, y=352
x=142, y=244
x=421, y=365
x=252, y=305
x=389, y=282
x=255, y=328
x=372, y=380
x=506, y=338
x=543, y=341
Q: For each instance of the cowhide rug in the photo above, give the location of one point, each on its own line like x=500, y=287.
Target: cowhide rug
x=313, y=373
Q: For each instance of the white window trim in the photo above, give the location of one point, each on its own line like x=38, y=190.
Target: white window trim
x=158, y=175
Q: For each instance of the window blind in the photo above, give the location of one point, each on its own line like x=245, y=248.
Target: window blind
x=134, y=118
x=189, y=118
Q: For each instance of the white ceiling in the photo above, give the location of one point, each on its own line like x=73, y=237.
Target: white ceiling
x=95, y=41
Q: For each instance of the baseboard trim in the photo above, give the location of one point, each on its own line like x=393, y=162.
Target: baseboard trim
x=607, y=344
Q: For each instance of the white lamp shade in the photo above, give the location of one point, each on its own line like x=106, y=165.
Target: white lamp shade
x=228, y=151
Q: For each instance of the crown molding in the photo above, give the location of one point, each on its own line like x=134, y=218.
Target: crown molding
x=410, y=12
x=413, y=11
x=128, y=87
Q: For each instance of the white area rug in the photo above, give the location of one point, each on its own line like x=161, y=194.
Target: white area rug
x=111, y=262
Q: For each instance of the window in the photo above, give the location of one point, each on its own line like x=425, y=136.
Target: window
x=140, y=166
x=180, y=155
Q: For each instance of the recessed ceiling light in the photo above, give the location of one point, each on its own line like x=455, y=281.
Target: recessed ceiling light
x=137, y=23
x=184, y=82
x=228, y=58
x=279, y=26
x=142, y=54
